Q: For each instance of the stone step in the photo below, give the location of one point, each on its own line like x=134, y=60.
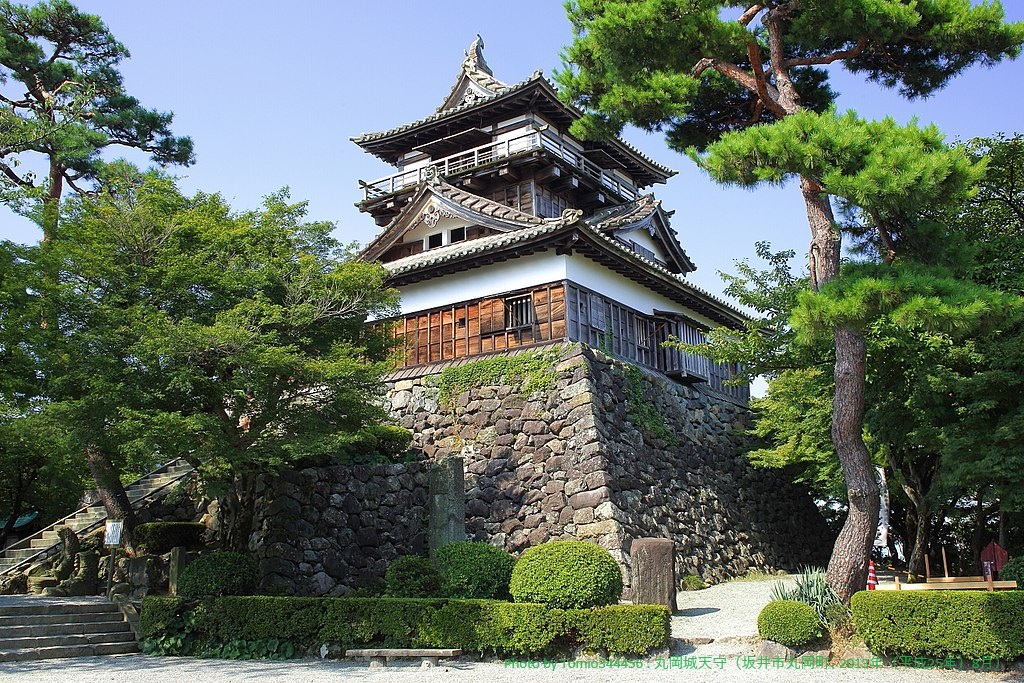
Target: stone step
x=46, y=620
x=32, y=654
x=65, y=606
x=35, y=642
x=20, y=554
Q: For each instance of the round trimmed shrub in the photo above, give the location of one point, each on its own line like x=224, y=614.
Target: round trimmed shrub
x=412, y=576
x=1013, y=571
x=788, y=622
x=567, y=574
x=473, y=569
x=220, y=573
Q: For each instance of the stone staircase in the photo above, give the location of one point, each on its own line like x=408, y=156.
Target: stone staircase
x=34, y=628
x=45, y=543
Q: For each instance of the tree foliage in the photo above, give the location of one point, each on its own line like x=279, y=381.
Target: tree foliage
x=234, y=340
x=64, y=100
x=697, y=69
x=39, y=470
x=984, y=440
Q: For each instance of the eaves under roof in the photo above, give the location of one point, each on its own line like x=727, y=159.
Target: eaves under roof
x=566, y=232
x=536, y=92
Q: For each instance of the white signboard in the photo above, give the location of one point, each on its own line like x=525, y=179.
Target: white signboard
x=113, y=535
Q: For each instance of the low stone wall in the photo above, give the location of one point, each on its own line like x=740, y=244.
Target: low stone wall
x=324, y=531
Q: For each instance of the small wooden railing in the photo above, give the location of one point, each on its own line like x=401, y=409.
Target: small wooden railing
x=493, y=151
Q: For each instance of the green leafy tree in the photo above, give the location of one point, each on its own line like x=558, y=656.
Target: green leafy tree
x=923, y=330
x=689, y=68
x=63, y=99
x=39, y=469
x=234, y=340
x=984, y=442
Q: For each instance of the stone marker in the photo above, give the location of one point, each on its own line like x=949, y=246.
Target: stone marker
x=654, y=575
x=447, y=503
x=180, y=557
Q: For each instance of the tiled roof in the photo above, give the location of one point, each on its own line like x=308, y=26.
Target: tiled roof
x=488, y=207
x=479, y=245
x=438, y=115
x=536, y=77
x=550, y=226
x=625, y=214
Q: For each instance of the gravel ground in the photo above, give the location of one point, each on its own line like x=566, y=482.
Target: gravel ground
x=713, y=632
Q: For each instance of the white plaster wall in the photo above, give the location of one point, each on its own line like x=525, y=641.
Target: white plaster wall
x=604, y=281
x=421, y=230
x=529, y=271
x=537, y=269
x=644, y=239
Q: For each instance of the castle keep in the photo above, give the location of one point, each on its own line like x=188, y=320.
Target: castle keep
x=507, y=237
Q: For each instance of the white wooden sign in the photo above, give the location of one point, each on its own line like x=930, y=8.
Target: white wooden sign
x=113, y=535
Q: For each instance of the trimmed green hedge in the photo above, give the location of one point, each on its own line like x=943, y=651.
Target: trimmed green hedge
x=262, y=626
x=412, y=576
x=220, y=573
x=473, y=569
x=567, y=574
x=970, y=624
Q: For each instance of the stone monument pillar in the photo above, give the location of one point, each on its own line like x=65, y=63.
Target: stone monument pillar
x=654, y=574
x=447, y=503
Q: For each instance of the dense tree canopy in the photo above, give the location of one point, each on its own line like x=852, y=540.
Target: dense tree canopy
x=234, y=340
x=707, y=72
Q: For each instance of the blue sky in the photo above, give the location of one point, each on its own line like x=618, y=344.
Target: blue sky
x=271, y=92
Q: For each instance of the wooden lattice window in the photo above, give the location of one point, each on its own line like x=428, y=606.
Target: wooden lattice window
x=518, y=312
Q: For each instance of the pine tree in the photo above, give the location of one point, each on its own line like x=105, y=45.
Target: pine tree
x=695, y=70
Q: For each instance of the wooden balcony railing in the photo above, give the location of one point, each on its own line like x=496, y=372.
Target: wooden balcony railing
x=493, y=151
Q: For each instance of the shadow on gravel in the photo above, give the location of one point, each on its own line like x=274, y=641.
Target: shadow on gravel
x=695, y=611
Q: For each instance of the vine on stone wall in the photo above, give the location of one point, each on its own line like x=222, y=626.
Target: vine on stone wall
x=533, y=371
x=642, y=412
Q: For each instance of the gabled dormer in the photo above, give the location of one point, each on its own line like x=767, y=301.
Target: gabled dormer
x=438, y=215
x=643, y=226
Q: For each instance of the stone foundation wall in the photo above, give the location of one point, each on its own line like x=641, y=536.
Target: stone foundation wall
x=572, y=462
x=608, y=455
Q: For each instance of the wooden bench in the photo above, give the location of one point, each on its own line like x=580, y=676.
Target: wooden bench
x=379, y=656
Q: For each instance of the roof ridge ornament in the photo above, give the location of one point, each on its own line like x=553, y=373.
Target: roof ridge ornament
x=475, y=61
x=568, y=217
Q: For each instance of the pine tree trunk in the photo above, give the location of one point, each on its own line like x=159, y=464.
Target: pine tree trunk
x=237, y=513
x=848, y=567
x=112, y=493
x=51, y=203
